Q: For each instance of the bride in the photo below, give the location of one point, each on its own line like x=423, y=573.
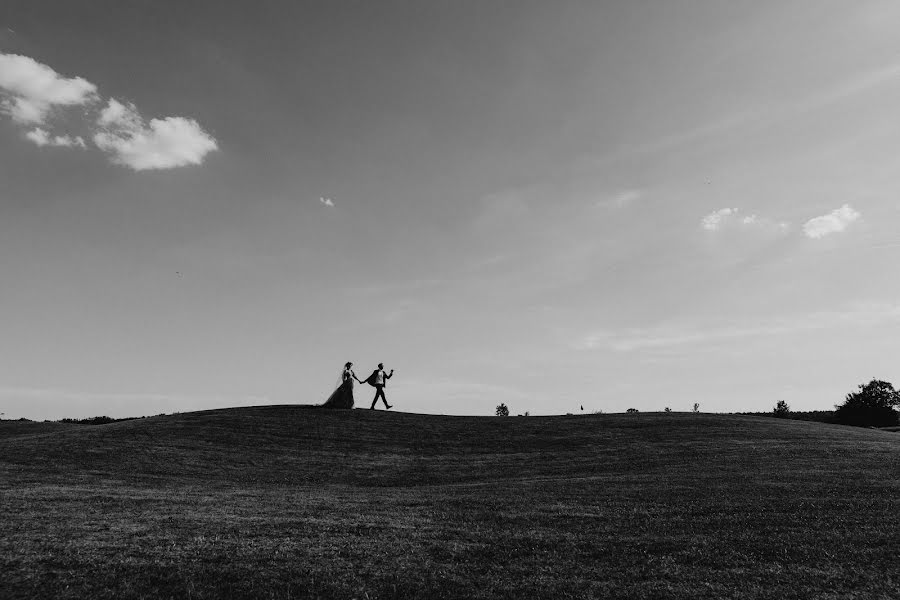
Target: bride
x=342, y=397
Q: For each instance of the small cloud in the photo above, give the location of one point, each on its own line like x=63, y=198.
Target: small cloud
x=728, y=217
x=119, y=115
x=30, y=90
x=621, y=199
x=159, y=144
x=327, y=201
x=42, y=138
x=716, y=219
x=834, y=222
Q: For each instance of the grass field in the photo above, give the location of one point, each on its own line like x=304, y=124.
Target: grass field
x=296, y=502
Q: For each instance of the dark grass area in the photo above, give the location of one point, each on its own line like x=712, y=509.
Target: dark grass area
x=294, y=502
x=819, y=416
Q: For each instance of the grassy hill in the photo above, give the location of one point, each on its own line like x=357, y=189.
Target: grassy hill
x=294, y=502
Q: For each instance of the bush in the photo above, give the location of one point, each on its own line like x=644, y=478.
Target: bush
x=502, y=410
x=632, y=410
x=781, y=410
x=97, y=420
x=872, y=406
x=92, y=421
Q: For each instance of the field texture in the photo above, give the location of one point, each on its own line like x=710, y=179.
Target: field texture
x=297, y=502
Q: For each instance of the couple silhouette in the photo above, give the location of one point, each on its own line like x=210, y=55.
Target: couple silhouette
x=342, y=397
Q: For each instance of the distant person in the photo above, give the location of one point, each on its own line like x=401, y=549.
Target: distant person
x=378, y=380
x=342, y=397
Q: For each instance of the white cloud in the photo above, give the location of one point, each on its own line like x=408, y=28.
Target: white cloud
x=834, y=222
x=716, y=219
x=725, y=217
x=42, y=138
x=31, y=89
x=119, y=115
x=326, y=201
x=159, y=144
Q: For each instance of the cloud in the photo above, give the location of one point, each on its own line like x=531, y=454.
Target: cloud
x=726, y=217
x=42, y=138
x=31, y=89
x=698, y=334
x=159, y=144
x=621, y=199
x=714, y=220
x=326, y=201
x=834, y=222
x=116, y=114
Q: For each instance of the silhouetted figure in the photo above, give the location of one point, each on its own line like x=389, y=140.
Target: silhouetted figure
x=342, y=397
x=378, y=380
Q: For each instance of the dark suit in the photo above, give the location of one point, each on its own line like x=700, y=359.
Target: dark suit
x=379, y=387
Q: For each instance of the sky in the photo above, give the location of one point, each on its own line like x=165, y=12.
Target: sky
x=563, y=207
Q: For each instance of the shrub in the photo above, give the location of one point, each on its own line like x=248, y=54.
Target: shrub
x=92, y=421
x=667, y=409
x=632, y=410
x=872, y=406
x=502, y=410
x=781, y=410
x=696, y=407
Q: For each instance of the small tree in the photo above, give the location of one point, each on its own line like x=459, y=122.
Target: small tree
x=502, y=410
x=696, y=407
x=667, y=409
x=781, y=410
x=872, y=406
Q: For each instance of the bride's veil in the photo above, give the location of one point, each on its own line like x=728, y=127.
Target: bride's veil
x=340, y=379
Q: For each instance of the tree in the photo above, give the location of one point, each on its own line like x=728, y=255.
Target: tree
x=872, y=406
x=696, y=407
x=502, y=410
x=781, y=410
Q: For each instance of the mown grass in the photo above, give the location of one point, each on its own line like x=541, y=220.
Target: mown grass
x=294, y=502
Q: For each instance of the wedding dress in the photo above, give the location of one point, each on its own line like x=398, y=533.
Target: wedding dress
x=342, y=397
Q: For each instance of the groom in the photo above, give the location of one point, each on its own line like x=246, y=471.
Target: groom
x=378, y=379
